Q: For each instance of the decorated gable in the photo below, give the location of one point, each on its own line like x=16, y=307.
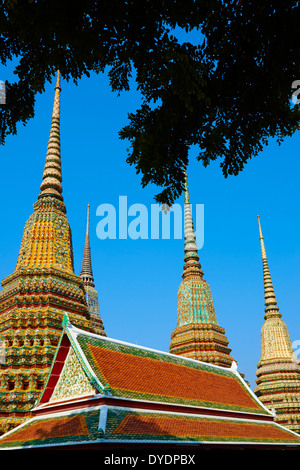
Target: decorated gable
x=72, y=382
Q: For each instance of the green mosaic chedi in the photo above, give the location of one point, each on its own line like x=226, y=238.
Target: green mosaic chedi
x=197, y=334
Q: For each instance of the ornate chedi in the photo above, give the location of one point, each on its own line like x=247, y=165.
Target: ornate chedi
x=198, y=334
x=42, y=288
x=278, y=371
x=87, y=277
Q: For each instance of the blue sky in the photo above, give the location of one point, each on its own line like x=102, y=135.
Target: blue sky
x=137, y=280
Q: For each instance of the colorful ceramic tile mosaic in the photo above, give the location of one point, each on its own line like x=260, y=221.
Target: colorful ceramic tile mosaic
x=72, y=381
x=197, y=334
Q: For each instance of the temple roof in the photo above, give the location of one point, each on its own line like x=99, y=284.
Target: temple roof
x=129, y=371
x=142, y=395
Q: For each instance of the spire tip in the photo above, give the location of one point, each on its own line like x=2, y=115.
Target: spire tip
x=52, y=177
x=191, y=257
x=271, y=308
x=86, y=268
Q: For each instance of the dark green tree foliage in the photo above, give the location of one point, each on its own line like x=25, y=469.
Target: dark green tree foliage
x=227, y=95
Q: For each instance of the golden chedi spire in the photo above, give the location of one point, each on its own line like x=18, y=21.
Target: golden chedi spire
x=197, y=334
x=52, y=178
x=278, y=371
x=42, y=288
x=87, y=277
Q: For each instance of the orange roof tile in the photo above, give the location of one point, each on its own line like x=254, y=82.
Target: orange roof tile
x=59, y=427
x=139, y=424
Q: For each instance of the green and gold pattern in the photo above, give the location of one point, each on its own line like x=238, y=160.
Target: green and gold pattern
x=197, y=334
x=73, y=381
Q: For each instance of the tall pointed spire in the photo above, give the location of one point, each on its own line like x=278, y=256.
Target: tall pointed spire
x=271, y=308
x=86, y=273
x=191, y=257
x=278, y=371
x=52, y=177
x=197, y=334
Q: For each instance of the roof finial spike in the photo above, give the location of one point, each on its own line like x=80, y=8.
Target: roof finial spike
x=52, y=177
x=191, y=257
x=189, y=232
x=86, y=269
x=271, y=308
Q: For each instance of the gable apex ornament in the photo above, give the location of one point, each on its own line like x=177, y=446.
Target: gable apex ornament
x=65, y=321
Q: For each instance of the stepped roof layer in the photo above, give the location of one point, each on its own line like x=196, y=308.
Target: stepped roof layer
x=131, y=426
x=86, y=274
x=102, y=391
